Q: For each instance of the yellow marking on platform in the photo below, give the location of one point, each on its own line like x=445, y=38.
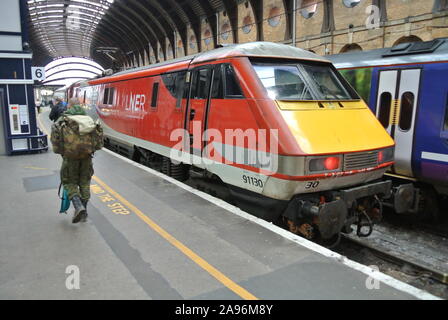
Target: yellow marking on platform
x=112, y=203
x=35, y=168
x=243, y=293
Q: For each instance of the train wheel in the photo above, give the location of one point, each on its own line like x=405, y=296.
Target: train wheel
x=166, y=166
x=177, y=171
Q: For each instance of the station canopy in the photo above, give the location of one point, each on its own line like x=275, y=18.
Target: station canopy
x=116, y=32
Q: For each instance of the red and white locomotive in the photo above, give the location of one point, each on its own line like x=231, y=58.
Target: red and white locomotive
x=279, y=125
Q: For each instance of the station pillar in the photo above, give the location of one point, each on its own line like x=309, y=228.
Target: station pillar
x=19, y=130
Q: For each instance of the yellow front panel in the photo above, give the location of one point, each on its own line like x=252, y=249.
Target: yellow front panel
x=336, y=130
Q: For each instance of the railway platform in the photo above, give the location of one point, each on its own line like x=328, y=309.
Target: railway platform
x=151, y=237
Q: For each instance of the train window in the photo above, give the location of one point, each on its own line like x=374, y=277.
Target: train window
x=106, y=96
x=174, y=82
x=155, y=93
x=179, y=90
x=201, y=83
x=406, y=110
x=327, y=83
x=169, y=80
x=283, y=82
x=186, y=88
x=384, y=108
x=304, y=81
x=232, y=89
x=360, y=80
x=111, y=95
x=217, y=88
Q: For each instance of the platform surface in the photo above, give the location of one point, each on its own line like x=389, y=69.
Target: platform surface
x=147, y=238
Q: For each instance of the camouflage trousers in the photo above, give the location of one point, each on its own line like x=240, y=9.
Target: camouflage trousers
x=76, y=176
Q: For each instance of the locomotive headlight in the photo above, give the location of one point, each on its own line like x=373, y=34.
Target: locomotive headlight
x=386, y=155
x=325, y=164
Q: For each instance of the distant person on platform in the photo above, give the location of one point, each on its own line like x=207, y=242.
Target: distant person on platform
x=75, y=136
x=59, y=108
x=38, y=104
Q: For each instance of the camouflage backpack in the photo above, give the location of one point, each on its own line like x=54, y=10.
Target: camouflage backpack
x=76, y=136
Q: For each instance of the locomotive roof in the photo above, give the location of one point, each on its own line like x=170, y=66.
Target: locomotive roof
x=251, y=49
x=405, y=53
x=258, y=49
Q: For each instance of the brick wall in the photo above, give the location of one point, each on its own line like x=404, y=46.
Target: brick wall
x=405, y=19
x=274, y=20
x=192, y=46
x=247, y=28
x=225, y=33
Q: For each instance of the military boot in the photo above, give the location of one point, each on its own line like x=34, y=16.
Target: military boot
x=80, y=210
x=84, y=217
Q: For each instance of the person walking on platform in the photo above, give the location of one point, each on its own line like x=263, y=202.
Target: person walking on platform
x=58, y=109
x=76, y=137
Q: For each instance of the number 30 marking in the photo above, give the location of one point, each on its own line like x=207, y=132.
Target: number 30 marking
x=311, y=184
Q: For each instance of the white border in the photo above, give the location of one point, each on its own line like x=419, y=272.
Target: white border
x=435, y=156
x=388, y=280
x=16, y=81
x=16, y=55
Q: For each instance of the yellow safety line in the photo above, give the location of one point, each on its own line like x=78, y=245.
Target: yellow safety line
x=35, y=168
x=243, y=293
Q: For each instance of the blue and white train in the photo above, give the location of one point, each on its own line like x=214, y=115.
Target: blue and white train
x=406, y=86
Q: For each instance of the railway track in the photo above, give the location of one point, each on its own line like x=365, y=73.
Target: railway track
x=416, y=257
x=427, y=253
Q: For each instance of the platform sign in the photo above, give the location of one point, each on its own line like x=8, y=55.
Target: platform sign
x=38, y=73
x=19, y=119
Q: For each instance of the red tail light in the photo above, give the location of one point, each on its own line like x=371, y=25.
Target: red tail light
x=324, y=164
x=331, y=163
x=380, y=157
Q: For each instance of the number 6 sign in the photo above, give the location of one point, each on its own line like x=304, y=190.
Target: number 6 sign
x=38, y=73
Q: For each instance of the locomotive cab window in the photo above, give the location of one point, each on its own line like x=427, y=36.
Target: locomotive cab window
x=217, y=87
x=225, y=85
x=304, y=81
x=201, y=82
x=232, y=87
x=175, y=82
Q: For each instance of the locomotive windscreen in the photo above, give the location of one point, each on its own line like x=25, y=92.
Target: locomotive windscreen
x=303, y=81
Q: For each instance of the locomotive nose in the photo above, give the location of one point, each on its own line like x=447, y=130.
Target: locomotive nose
x=334, y=127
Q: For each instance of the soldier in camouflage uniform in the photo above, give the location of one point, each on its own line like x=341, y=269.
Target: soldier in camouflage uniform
x=76, y=173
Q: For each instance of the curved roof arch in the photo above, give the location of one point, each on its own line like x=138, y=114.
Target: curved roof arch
x=64, y=70
x=115, y=32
